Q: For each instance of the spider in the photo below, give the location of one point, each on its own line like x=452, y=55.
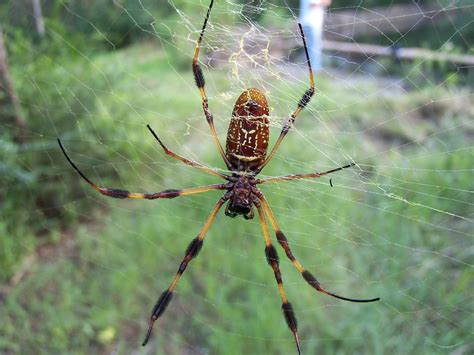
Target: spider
x=245, y=157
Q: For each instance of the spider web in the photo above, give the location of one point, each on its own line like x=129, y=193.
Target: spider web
x=398, y=225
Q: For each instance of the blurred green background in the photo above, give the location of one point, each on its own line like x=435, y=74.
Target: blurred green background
x=79, y=273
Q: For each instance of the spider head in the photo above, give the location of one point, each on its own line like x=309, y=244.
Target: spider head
x=240, y=203
x=237, y=208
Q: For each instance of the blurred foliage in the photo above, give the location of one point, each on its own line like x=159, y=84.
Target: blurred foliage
x=93, y=23
x=46, y=76
x=450, y=33
x=111, y=273
x=30, y=169
x=58, y=90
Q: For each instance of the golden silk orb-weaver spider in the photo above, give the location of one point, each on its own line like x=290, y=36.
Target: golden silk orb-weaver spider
x=245, y=157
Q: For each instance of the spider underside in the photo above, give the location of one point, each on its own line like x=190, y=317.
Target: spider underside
x=245, y=157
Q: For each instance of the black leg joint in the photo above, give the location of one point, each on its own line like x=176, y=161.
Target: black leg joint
x=182, y=267
x=284, y=243
x=171, y=193
x=281, y=237
x=272, y=255
x=311, y=279
x=194, y=247
x=115, y=193
x=161, y=304
x=290, y=317
x=198, y=76
x=306, y=98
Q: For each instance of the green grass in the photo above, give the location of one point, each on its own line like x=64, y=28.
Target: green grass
x=395, y=227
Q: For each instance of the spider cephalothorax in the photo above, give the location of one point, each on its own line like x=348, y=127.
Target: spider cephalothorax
x=245, y=157
x=242, y=197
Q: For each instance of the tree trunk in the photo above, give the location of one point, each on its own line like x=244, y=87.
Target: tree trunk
x=10, y=110
x=38, y=17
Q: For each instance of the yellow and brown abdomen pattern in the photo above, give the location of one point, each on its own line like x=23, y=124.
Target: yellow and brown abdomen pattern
x=248, y=133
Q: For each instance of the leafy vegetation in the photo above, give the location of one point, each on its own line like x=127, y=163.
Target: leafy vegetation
x=112, y=270
x=79, y=272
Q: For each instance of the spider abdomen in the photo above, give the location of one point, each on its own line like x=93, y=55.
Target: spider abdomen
x=247, y=136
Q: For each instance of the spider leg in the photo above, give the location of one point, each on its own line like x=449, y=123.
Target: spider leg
x=191, y=252
x=200, y=83
x=310, y=279
x=184, y=160
x=301, y=105
x=273, y=261
x=117, y=193
x=301, y=176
